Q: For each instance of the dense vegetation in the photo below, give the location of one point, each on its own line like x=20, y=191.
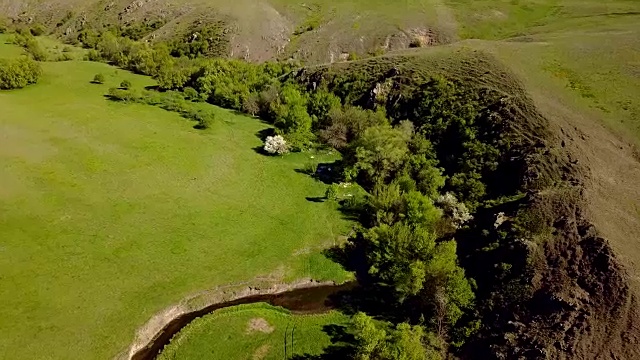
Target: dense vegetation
x=428, y=152
x=18, y=73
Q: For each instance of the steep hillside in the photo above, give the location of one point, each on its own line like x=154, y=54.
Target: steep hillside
x=315, y=31
x=568, y=293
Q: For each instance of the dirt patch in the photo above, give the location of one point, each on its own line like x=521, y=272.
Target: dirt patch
x=261, y=352
x=259, y=325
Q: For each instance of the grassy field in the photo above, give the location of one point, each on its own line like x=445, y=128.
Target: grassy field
x=111, y=212
x=252, y=332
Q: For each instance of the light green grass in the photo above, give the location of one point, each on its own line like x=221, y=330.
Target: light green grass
x=110, y=212
x=8, y=50
x=226, y=334
x=499, y=19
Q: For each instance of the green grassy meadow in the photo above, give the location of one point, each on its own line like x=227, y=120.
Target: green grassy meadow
x=228, y=334
x=110, y=212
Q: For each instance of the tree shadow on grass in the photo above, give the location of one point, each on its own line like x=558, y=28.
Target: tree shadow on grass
x=327, y=173
x=316, y=199
x=341, y=345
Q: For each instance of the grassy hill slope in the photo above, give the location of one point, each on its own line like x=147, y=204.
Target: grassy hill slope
x=111, y=212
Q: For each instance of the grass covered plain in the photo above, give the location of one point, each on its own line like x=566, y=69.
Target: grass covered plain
x=110, y=212
x=253, y=331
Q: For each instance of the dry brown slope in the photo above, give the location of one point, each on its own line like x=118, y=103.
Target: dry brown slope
x=609, y=178
x=314, y=31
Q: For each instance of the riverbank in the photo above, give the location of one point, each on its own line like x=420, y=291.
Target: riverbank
x=305, y=296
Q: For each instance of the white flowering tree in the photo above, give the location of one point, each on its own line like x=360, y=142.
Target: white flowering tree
x=276, y=145
x=457, y=211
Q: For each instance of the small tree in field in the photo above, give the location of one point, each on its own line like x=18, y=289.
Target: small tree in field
x=125, y=84
x=98, y=79
x=276, y=145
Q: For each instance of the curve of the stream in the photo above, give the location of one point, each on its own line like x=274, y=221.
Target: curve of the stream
x=307, y=300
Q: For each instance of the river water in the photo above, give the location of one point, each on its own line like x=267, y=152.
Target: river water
x=311, y=300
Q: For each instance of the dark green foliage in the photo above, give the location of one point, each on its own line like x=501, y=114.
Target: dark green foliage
x=36, y=51
x=376, y=155
x=208, y=41
x=408, y=260
x=89, y=38
x=4, y=27
x=30, y=44
x=191, y=94
x=38, y=30
x=375, y=340
x=291, y=117
x=228, y=83
x=18, y=73
x=321, y=104
x=98, y=79
x=138, y=30
x=125, y=84
x=123, y=95
x=170, y=101
x=344, y=125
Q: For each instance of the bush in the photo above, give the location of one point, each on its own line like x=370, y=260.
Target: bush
x=64, y=57
x=38, y=30
x=204, y=119
x=191, y=94
x=93, y=55
x=125, y=84
x=98, y=79
x=34, y=48
x=18, y=73
x=123, y=95
x=455, y=210
x=276, y=145
x=3, y=26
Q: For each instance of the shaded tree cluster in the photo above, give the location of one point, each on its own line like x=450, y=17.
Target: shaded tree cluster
x=18, y=73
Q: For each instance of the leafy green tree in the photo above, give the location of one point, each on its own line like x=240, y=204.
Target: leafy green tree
x=407, y=259
x=18, y=73
x=98, y=79
x=321, y=103
x=33, y=47
x=379, y=341
x=291, y=117
x=377, y=154
x=125, y=84
x=369, y=339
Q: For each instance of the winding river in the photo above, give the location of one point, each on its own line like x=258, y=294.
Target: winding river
x=308, y=300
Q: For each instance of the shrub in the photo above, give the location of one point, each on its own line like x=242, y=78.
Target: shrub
x=332, y=192
x=204, y=119
x=191, y=94
x=123, y=95
x=93, y=55
x=34, y=48
x=276, y=145
x=64, y=57
x=3, y=26
x=38, y=30
x=125, y=84
x=18, y=73
x=98, y=79
x=455, y=210
x=251, y=105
